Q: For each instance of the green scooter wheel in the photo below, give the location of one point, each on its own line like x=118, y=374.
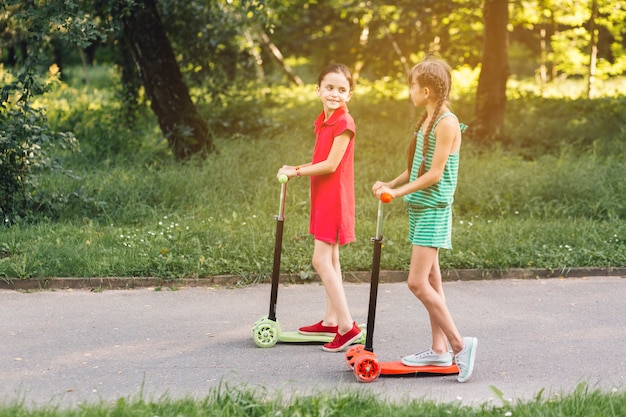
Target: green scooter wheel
x=265, y=333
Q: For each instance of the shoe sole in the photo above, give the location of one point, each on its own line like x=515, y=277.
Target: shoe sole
x=416, y=365
x=317, y=334
x=470, y=362
x=348, y=343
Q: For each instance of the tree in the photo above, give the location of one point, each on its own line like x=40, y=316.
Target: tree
x=593, y=49
x=185, y=129
x=488, y=122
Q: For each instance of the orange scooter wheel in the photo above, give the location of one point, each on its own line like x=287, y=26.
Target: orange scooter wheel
x=367, y=367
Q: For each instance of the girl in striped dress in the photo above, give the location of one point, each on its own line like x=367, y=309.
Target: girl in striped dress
x=427, y=186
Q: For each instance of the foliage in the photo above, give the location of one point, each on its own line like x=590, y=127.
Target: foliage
x=210, y=37
x=217, y=42
x=595, y=126
x=26, y=142
x=382, y=35
x=219, y=50
x=567, y=27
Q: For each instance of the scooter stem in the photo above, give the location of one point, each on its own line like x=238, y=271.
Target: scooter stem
x=378, y=245
x=278, y=246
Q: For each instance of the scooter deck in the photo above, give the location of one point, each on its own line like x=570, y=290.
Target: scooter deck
x=398, y=368
x=297, y=337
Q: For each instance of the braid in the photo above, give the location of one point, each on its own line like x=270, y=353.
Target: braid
x=441, y=100
x=436, y=75
x=413, y=144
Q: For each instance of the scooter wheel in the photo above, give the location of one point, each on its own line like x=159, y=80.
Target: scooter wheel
x=265, y=333
x=367, y=368
x=352, y=354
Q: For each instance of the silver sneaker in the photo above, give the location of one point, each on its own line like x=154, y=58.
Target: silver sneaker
x=428, y=358
x=465, y=358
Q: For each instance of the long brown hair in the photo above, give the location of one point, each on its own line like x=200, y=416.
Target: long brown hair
x=437, y=76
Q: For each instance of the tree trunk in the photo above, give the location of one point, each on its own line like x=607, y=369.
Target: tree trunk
x=488, y=123
x=397, y=50
x=186, y=131
x=555, y=31
x=593, y=50
x=543, y=59
x=278, y=56
x=363, y=40
x=258, y=59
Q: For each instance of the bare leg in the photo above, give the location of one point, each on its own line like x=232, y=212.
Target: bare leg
x=440, y=341
x=425, y=283
x=330, y=318
x=326, y=263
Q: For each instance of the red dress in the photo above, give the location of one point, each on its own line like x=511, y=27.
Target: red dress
x=332, y=195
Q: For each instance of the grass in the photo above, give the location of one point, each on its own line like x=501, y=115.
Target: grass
x=126, y=209
x=217, y=218
x=232, y=402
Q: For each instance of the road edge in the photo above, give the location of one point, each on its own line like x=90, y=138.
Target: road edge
x=106, y=283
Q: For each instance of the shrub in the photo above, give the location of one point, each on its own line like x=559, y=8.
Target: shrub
x=536, y=126
x=25, y=141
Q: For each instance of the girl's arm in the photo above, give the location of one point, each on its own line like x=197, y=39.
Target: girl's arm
x=327, y=166
x=446, y=133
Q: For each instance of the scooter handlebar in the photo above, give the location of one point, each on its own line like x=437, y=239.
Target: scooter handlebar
x=386, y=198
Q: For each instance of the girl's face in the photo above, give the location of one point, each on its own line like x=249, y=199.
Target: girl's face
x=334, y=90
x=419, y=94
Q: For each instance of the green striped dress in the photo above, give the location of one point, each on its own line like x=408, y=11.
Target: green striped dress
x=430, y=209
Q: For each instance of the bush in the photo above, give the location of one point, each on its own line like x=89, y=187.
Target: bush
x=536, y=126
x=25, y=144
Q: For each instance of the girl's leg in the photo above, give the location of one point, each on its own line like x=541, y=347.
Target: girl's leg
x=330, y=318
x=440, y=341
x=326, y=263
x=425, y=283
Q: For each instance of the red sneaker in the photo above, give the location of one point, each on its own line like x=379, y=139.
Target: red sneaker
x=341, y=341
x=318, y=329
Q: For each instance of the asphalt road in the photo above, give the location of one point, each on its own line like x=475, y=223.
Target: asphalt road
x=70, y=347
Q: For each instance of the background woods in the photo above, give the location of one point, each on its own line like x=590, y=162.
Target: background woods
x=117, y=113
x=223, y=46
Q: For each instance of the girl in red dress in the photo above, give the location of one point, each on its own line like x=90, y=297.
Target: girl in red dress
x=332, y=201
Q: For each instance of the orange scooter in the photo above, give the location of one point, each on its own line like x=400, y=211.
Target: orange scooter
x=362, y=359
